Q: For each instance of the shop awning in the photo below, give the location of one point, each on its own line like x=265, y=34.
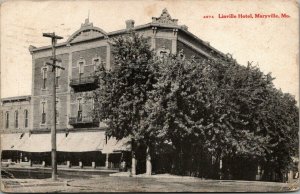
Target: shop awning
x=114, y=145
x=82, y=142
x=12, y=141
x=65, y=142
x=28, y=142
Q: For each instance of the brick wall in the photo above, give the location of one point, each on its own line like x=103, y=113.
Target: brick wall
x=11, y=108
x=86, y=104
x=38, y=76
x=162, y=42
x=62, y=104
x=88, y=56
x=188, y=51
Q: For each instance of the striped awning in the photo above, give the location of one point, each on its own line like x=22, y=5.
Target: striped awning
x=65, y=142
x=114, y=145
x=82, y=142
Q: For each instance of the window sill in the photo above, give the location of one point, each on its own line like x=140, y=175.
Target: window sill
x=44, y=89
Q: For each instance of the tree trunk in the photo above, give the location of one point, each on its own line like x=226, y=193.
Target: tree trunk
x=133, y=164
x=133, y=160
x=221, y=168
x=148, y=161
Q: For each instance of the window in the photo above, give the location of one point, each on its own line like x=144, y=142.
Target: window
x=181, y=54
x=96, y=61
x=163, y=52
x=44, y=73
x=43, y=113
x=6, y=120
x=57, y=74
x=79, y=114
x=16, y=119
x=26, y=118
x=81, y=64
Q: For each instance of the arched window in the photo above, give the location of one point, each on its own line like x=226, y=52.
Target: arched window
x=6, y=120
x=43, y=104
x=26, y=118
x=97, y=62
x=16, y=119
x=81, y=64
x=79, y=113
x=163, y=52
x=44, y=76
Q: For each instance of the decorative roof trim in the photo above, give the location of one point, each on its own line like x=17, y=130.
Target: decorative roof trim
x=86, y=26
x=164, y=18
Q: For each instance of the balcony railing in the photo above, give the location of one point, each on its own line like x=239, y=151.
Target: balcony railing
x=83, y=121
x=85, y=83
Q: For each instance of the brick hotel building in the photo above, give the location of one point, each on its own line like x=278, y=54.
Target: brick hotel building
x=26, y=120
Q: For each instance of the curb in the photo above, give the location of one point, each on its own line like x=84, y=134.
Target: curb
x=17, y=184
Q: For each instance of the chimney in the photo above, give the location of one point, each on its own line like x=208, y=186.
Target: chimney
x=129, y=24
x=184, y=27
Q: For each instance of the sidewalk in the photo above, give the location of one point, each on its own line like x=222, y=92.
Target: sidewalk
x=92, y=180
x=63, y=168
x=191, y=179
x=142, y=183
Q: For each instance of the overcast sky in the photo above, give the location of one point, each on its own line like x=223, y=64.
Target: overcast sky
x=272, y=44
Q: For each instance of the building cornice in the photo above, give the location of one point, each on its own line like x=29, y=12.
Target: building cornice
x=16, y=99
x=163, y=21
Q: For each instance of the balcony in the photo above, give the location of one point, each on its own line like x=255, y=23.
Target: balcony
x=84, y=83
x=83, y=122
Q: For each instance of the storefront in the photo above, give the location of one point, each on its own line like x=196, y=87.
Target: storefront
x=84, y=149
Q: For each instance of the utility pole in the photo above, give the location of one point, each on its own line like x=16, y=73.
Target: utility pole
x=54, y=38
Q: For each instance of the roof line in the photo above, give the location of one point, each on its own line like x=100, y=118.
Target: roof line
x=16, y=98
x=113, y=33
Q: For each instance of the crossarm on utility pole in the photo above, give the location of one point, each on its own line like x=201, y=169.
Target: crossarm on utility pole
x=56, y=66
x=52, y=35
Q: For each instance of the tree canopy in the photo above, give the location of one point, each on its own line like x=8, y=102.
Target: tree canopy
x=122, y=95
x=211, y=106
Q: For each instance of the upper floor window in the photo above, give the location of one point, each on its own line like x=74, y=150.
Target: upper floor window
x=97, y=62
x=43, y=112
x=44, y=76
x=81, y=64
x=181, y=54
x=26, y=118
x=6, y=120
x=163, y=52
x=79, y=113
x=16, y=119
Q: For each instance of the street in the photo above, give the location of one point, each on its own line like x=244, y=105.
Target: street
x=84, y=181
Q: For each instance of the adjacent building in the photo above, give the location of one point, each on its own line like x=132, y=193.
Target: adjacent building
x=15, y=113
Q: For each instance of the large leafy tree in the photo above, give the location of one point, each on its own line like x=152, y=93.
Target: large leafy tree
x=120, y=100
x=208, y=108
x=222, y=109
